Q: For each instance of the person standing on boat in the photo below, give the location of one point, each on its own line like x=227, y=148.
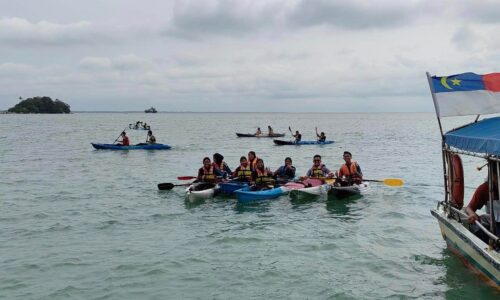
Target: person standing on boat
x=243, y=172
x=261, y=176
x=318, y=169
x=258, y=132
x=286, y=172
x=252, y=160
x=297, y=136
x=150, y=139
x=350, y=172
x=270, y=131
x=481, y=197
x=221, y=165
x=125, y=140
x=208, y=173
x=321, y=137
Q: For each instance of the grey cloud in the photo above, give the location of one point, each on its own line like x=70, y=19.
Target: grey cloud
x=18, y=31
x=351, y=14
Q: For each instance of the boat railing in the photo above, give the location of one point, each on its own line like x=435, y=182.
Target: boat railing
x=458, y=214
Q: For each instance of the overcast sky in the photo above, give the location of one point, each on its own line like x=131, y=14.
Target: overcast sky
x=296, y=55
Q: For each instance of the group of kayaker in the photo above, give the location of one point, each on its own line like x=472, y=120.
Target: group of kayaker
x=252, y=170
x=139, y=125
x=270, y=131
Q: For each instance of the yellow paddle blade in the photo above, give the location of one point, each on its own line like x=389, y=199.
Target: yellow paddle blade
x=330, y=180
x=394, y=181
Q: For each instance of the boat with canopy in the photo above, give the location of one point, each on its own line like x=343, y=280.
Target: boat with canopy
x=469, y=94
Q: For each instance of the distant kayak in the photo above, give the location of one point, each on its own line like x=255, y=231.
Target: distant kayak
x=262, y=135
x=281, y=142
x=131, y=147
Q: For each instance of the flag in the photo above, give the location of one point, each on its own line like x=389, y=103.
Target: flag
x=466, y=94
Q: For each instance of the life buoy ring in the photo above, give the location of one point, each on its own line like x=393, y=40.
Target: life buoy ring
x=457, y=181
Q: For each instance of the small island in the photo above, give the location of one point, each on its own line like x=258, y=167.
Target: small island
x=151, y=110
x=40, y=105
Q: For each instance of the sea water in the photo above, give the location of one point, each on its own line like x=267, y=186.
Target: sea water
x=79, y=223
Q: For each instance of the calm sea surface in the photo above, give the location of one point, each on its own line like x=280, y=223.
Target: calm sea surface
x=77, y=223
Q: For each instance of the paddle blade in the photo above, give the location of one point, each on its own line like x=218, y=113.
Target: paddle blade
x=186, y=177
x=165, y=186
x=330, y=180
x=394, y=182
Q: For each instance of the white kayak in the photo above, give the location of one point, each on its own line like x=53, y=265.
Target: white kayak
x=350, y=190
x=309, y=193
x=200, y=191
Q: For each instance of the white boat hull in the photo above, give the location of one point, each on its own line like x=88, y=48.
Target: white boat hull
x=473, y=251
x=193, y=196
x=310, y=192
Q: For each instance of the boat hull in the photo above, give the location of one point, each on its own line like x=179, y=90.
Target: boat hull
x=229, y=188
x=347, y=191
x=245, y=195
x=197, y=192
x=262, y=135
x=310, y=193
x=131, y=147
x=282, y=143
x=473, y=252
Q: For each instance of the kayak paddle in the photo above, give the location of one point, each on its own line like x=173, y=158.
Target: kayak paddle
x=388, y=181
x=186, y=177
x=169, y=186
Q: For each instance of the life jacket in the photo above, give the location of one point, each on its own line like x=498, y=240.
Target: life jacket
x=263, y=178
x=349, y=172
x=253, y=164
x=220, y=167
x=317, y=172
x=208, y=175
x=244, y=172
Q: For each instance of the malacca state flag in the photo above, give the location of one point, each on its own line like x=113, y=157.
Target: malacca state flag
x=466, y=94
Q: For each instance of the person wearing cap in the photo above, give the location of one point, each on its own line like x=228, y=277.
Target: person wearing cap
x=220, y=165
x=285, y=172
x=150, y=138
x=350, y=172
x=318, y=169
x=243, y=172
x=125, y=140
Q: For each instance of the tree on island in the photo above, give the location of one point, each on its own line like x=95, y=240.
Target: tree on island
x=40, y=105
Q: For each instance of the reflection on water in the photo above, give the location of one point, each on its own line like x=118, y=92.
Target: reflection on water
x=345, y=209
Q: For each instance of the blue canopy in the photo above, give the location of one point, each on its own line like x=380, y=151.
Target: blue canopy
x=479, y=137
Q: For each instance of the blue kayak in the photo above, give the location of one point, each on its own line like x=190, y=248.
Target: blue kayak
x=246, y=195
x=230, y=187
x=131, y=147
x=281, y=142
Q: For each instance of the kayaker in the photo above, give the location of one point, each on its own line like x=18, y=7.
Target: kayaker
x=221, y=165
x=350, y=172
x=125, y=140
x=286, y=172
x=480, y=198
x=146, y=126
x=258, y=132
x=297, y=136
x=261, y=176
x=150, y=138
x=318, y=169
x=208, y=173
x=138, y=124
x=243, y=172
x=270, y=130
x=321, y=137
x=252, y=160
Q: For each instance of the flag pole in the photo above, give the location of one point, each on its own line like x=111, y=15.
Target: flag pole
x=443, y=146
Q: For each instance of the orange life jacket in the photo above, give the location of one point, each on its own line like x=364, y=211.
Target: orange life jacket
x=253, y=164
x=349, y=172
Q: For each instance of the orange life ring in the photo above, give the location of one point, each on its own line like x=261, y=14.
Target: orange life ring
x=457, y=181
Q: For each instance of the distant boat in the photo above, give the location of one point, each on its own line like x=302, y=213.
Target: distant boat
x=151, y=110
